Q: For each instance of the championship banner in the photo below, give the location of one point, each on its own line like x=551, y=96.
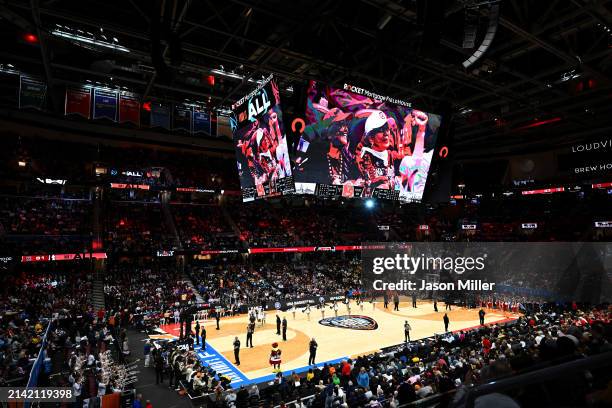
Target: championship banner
x=181, y=119
x=105, y=104
x=78, y=101
x=129, y=110
x=32, y=93
x=160, y=115
x=260, y=142
x=201, y=122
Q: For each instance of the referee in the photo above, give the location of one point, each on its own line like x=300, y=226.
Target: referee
x=407, y=329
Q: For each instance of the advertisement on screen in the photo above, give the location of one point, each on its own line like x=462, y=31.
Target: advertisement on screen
x=360, y=144
x=260, y=141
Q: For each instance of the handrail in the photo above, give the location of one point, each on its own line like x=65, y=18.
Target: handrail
x=33, y=378
x=309, y=397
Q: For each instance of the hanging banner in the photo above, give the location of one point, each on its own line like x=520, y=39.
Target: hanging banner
x=78, y=101
x=160, y=115
x=32, y=93
x=129, y=109
x=105, y=104
x=201, y=122
x=181, y=118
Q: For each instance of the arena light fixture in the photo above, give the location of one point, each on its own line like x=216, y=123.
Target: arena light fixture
x=369, y=203
x=90, y=40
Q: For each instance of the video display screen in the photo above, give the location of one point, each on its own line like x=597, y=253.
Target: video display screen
x=359, y=144
x=260, y=141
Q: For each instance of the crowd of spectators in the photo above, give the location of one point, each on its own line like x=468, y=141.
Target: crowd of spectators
x=29, y=299
x=203, y=226
x=145, y=293
x=267, y=280
x=440, y=368
x=136, y=228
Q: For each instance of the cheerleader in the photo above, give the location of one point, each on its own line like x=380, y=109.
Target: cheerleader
x=322, y=307
x=360, y=303
x=293, y=310
x=262, y=317
x=347, y=302
x=373, y=302
x=307, y=311
x=334, y=307
x=275, y=358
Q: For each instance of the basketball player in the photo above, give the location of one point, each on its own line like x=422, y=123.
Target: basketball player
x=262, y=317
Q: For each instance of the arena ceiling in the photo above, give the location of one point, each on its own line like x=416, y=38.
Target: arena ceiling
x=544, y=81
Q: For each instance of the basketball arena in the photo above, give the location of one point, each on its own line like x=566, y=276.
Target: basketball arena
x=306, y=204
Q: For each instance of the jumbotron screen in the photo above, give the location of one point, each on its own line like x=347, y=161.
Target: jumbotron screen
x=260, y=141
x=359, y=144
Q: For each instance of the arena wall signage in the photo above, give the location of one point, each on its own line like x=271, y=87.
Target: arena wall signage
x=314, y=301
x=195, y=190
x=310, y=249
x=469, y=226
x=357, y=143
x=51, y=181
x=587, y=158
x=63, y=257
x=603, y=224
x=601, y=185
x=260, y=141
x=130, y=186
x=529, y=225
x=544, y=191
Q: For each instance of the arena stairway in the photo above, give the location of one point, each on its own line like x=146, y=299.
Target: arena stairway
x=97, y=291
x=97, y=295
x=169, y=219
x=231, y=222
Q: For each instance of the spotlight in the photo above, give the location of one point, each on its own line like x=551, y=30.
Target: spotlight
x=369, y=203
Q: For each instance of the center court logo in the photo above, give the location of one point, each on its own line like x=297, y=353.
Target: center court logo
x=355, y=322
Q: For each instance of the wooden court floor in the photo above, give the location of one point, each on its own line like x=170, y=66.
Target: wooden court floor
x=334, y=342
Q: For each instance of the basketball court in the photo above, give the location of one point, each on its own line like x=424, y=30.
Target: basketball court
x=338, y=338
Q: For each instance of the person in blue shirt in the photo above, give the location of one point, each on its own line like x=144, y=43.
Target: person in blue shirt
x=363, y=379
x=137, y=402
